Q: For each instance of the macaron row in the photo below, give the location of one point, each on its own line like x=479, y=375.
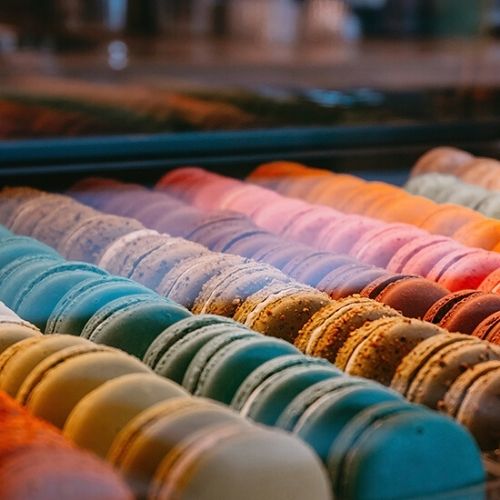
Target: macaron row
x=381, y=201
x=470, y=169
x=217, y=362
x=400, y=248
x=111, y=404
x=222, y=279
x=281, y=308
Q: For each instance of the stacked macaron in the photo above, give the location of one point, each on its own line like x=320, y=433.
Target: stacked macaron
x=36, y=462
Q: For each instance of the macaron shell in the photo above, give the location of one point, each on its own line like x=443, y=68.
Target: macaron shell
x=76, y=308
x=480, y=407
x=323, y=421
x=442, y=306
x=419, y=356
x=133, y=328
x=98, y=418
x=19, y=366
x=15, y=247
x=74, y=373
x=412, y=297
x=227, y=369
x=465, y=316
x=39, y=297
x=387, y=342
x=441, y=370
x=178, y=330
x=88, y=240
x=269, y=401
x=12, y=333
x=280, y=456
x=441, y=159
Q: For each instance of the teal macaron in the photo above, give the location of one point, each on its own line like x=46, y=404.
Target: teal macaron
x=36, y=300
x=4, y=232
x=268, y=370
x=15, y=275
x=82, y=301
x=18, y=246
x=306, y=398
x=229, y=367
x=132, y=323
x=191, y=381
x=395, y=450
x=321, y=424
x=175, y=362
x=271, y=396
x=172, y=334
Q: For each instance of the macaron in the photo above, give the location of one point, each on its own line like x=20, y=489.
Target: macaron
x=224, y=292
x=408, y=209
x=411, y=296
x=473, y=400
x=323, y=421
x=29, y=214
x=184, y=282
x=349, y=279
x=265, y=396
x=483, y=233
x=448, y=218
x=132, y=323
x=53, y=228
x=489, y=329
x=13, y=197
x=288, y=468
x=441, y=159
x=15, y=275
x=221, y=377
x=144, y=442
x=276, y=216
x=122, y=251
x=306, y=398
x=22, y=358
x=152, y=268
x=82, y=301
x=58, y=472
x=176, y=362
x=88, y=240
x=72, y=372
x=376, y=452
x=179, y=330
x=441, y=369
x=38, y=297
x=327, y=330
x=281, y=311
x=465, y=312
x=464, y=269
x=313, y=268
x=98, y=418
x=191, y=355
x=266, y=371
x=491, y=283
x=13, y=332
x=250, y=243
x=177, y=222
x=376, y=349
x=14, y=247
x=282, y=255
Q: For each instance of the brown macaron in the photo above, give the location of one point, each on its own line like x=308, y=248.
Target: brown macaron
x=376, y=349
x=281, y=310
x=327, y=330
